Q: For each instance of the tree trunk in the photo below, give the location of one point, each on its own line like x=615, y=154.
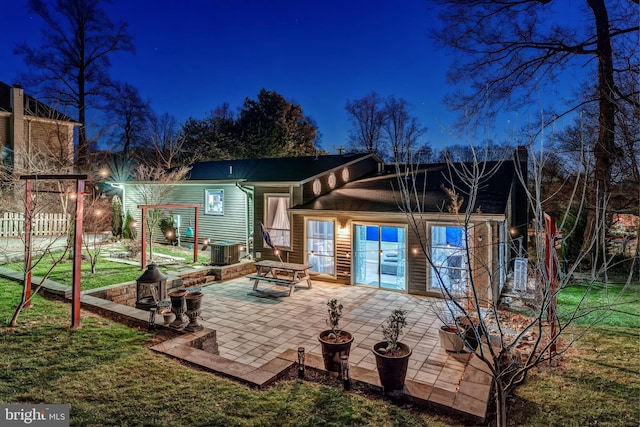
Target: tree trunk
x=605, y=150
x=501, y=404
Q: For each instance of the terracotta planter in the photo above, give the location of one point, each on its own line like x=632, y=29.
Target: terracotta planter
x=392, y=371
x=331, y=351
x=451, y=338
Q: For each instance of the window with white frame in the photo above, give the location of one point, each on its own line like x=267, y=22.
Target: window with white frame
x=449, y=269
x=214, y=202
x=276, y=221
x=320, y=246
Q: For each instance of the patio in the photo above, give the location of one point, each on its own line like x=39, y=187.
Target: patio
x=258, y=331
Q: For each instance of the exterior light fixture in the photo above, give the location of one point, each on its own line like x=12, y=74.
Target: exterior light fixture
x=152, y=318
x=345, y=174
x=344, y=372
x=317, y=187
x=301, y=363
x=332, y=180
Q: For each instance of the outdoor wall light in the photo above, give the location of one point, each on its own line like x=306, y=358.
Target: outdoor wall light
x=205, y=244
x=414, y=251
x=301, y=362
x=133, y=224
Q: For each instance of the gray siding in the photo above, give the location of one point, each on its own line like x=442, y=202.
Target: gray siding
x=231, y=226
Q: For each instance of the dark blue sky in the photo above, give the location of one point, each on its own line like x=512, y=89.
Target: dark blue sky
x=192, y=55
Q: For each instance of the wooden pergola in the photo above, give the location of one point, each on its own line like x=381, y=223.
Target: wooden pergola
x=77, y=237
x=143, y=252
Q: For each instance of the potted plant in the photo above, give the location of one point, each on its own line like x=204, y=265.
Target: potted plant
x=392, y=356
x=334, y=342
x=451, y=334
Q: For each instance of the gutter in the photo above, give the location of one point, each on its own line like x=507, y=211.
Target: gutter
x=249, y=195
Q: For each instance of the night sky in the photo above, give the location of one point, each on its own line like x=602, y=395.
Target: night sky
x=193, y=55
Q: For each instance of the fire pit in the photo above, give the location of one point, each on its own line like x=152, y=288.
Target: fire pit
x=151, y=288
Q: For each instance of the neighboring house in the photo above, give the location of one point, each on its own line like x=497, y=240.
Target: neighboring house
x=341, y=214
x=34, y=137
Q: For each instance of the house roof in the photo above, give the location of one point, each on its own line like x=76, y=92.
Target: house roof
x=380, y=194
x=284, y=169
x=32, y=107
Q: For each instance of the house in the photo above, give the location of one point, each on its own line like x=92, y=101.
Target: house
x=34, y=137
x=342, y=214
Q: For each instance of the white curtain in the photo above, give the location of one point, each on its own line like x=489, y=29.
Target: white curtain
x=280, y=226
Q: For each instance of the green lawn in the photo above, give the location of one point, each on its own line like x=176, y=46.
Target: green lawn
x=107, y=273
x=611, y=304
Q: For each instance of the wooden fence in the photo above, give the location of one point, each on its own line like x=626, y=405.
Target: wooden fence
x=44, y=224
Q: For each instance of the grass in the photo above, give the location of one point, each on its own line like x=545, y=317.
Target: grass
x=600, y=386
x=109, y=377
x=612, y=304
x=107, y=272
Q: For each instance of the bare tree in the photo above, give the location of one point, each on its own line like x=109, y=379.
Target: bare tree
x=154, y=185
x=166, y=139
x=70, y=67
x=47, y=198
x=510, y=52
x=367, y=119
x=96, y=224
x=509, y=351
x=129, y=114
x=402, y=130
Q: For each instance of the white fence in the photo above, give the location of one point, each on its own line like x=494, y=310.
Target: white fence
x=44, y=224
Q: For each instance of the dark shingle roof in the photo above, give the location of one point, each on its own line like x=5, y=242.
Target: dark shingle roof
x=379, y=194
x=284, y=169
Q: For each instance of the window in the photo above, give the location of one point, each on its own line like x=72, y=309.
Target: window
x=214, y=202
x=320, y=244
x=276, y=211
x=448, y=254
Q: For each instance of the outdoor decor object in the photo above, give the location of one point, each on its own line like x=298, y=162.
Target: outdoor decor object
x=451, y=338
x=334, y=342
x=151, y=288
x=178, y=307
x=392, y=356
x=301, y=363
x=194, y=301
x=344, y=367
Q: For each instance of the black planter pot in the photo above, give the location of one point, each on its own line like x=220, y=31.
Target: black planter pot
x=391, y=370
x=331, y=351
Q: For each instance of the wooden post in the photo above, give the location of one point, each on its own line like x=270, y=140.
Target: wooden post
x=195, y=237
x=550, y=241
x=28, y=204
x=143, y=251
x=77, y=255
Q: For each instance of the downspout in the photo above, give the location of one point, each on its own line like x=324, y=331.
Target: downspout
x=249, y=195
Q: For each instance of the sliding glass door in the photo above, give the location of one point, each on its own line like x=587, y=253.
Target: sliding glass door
x=379, y=256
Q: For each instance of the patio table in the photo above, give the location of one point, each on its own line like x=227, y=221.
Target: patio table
x=281, y=273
